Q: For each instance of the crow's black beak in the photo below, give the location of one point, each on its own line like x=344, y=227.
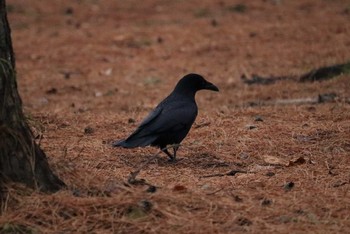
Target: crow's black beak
x=211, y=86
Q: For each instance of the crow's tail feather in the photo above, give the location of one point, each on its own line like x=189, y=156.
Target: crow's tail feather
x=120, y=143
x=135, y=142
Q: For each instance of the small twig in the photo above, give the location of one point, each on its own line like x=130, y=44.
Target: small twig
x=257, y=79
x=230, y=173
x=321, y=98
x=132, y=176
x=216, y=191
x=200, y=125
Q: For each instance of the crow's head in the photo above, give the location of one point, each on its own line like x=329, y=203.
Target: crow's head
x=193, y=83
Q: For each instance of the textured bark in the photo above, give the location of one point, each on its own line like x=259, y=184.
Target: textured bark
x=21, y=159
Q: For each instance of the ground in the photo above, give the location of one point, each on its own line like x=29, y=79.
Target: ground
x=89, y=70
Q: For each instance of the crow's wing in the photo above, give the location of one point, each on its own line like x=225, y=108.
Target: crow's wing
x=165, y=118
x=134, y=140
x=172, y=117
x=151, y=118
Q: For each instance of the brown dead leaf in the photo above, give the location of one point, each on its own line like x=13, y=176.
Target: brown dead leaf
x=179, y=188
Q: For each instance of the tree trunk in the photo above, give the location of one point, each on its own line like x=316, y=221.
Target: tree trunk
x=21, y=159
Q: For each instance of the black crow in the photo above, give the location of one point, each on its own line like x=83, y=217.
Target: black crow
x=172, y=119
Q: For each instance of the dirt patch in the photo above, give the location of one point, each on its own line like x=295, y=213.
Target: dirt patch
x=89, y=71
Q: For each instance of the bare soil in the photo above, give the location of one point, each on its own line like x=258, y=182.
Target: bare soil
x=89, y=71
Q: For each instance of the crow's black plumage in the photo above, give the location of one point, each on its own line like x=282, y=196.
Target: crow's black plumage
x=171, y=120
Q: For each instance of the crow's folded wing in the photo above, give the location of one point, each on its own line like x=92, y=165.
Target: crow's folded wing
x=162, y=120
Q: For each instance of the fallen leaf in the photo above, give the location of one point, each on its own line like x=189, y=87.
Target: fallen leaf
x=297, y=161
x=179, y=188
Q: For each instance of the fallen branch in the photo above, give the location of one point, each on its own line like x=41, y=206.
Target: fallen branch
x=230, y=173
x=321, y=98
x=257, y=79
x=319, y=74
x=325, y=73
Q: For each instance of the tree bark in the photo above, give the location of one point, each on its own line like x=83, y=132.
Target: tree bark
x=21, y=159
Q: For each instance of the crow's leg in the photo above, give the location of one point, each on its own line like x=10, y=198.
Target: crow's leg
x=175, y=148
x=165, y=150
